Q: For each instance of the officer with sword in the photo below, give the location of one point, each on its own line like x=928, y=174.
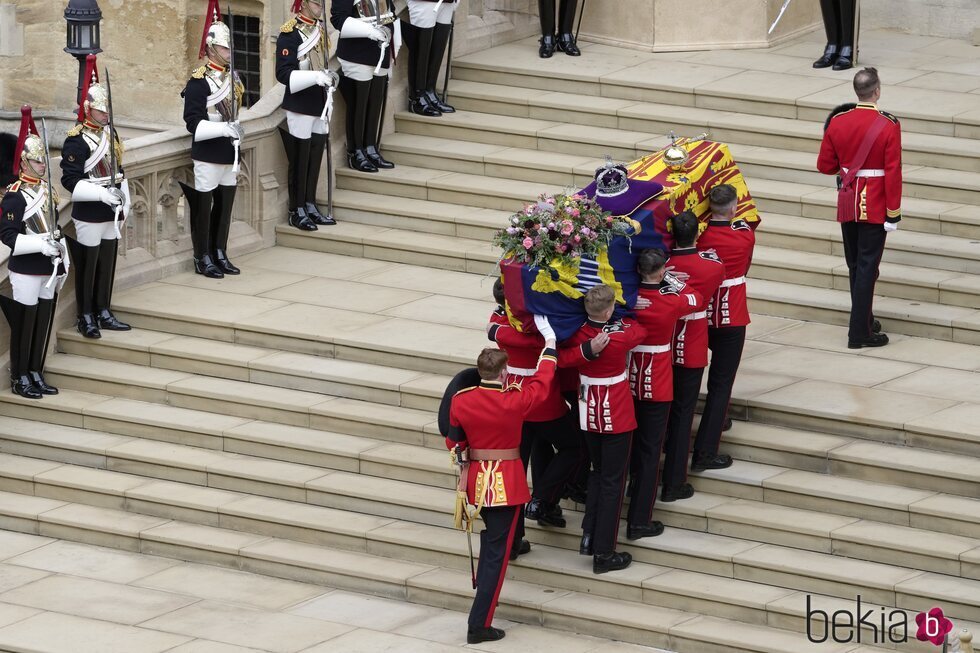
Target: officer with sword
x=841, y=22
x=91, y=170
x=370, y=37
x=302, y=51
x=38, y=263
x=211, y=100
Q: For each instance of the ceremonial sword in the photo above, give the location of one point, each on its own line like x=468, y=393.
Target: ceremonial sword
x=113, y=161
x=234, y=94
x=52, y=221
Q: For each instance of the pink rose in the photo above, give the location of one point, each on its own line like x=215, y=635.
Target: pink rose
x=577, y=239
x=528, y=243
x=585, y=231
x=567, y=228
x=574, y=213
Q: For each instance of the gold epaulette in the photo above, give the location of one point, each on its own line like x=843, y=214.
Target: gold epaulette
x=199, y=73
x=14, y=187
x=288, y=26
x=76, y=130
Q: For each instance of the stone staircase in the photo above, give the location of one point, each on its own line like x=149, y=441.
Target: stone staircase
x=283, y=421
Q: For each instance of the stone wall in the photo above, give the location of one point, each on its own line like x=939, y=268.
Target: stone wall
x=958, y=19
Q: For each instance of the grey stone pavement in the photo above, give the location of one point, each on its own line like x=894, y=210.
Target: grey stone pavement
x=62, y=597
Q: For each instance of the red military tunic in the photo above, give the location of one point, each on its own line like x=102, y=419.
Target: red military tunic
x=734, y=244
x=651, y=378
x=523, y=350
x=491, y=417
x=704, y=272
x=879, y=194
x=605, y=402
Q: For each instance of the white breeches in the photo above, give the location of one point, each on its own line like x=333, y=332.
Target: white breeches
x=208, y=176
x=360, y=72
x=91, y=234
x=421, y=14
x=303, y=126
x=28, y=288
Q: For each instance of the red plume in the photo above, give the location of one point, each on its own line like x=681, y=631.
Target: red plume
x=91, y=77
x=296, y=5
x=27, y=127
x=212, y=16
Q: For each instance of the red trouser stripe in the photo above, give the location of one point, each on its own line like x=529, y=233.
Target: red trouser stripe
x=503, y=567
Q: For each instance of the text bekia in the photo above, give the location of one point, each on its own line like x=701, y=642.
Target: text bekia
x=882, y=626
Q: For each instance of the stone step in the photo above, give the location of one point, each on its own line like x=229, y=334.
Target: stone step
x=358, y=568
x=568, y=154
x=911, y=314
x=701, y=553
x=772, y=196
x=787, y=232
x=800, y=95
x=755, y=130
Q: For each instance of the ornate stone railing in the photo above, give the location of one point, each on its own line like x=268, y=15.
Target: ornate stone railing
x=156, y=237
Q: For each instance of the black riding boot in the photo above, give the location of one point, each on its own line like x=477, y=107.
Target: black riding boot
x=297, y=203
x=200, y=208
x=546, y=12
x=39, y=345
x=832, y=27
x=440, y=39
x=848, y=16
x=357, y=95
x=317, y=143
x=105, y=278
x=21, y=319
x=566, y=23
x=85, y=260
x=379, y=86
x=221, y=226
x=419, y=102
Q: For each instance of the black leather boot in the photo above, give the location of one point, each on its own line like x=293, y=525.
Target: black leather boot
x=832, y=27
x=546, y=12
x=685, y=491
x=419, y=102
x=520, y=549
x=221, y=227
x=373, y=126
x=21, y=319
x=653, y=529
x=200, y=208
x=566, y=23
x=477, y=634
x=105, y=277
x=702, y=462
x=845, y=60
x=440, y=38
x=39, y=345
x=297, y=210
x=317, y=143
x=357, y=94
x=85, y=260
x=585, y=546
x=606, y=562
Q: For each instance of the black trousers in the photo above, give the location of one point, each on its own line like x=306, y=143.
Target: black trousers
x=687, y=386
x=863, y=246
x=580, y=476
x=839, y=18
x=648, y=439
x=610, y=458
x=726, y=344
x=556, y=450
x=495, y=542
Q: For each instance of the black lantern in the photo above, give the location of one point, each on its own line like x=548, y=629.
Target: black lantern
x=83, y=18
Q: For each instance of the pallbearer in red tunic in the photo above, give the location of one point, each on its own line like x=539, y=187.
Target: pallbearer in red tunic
x=599, y=349
x=487, y=420
x=862, y=145
x=733, y=241
x=548, y=427
x=665, y=301
x=704, y=272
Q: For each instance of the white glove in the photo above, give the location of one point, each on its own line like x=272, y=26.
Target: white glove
x=544, y=327
x=358, y=29
x=49, y=249
x=128, y=200
x=86, y=191
x=300, y=80
x=207, y=130
x=891, y=226
x=28, y=244
x=234, y=131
